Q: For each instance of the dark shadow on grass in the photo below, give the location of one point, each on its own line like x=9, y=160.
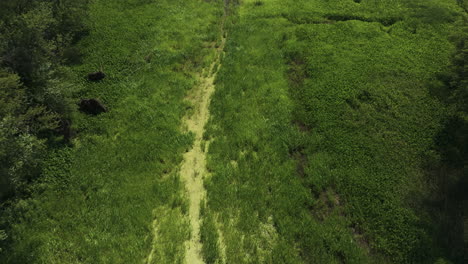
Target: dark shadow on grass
x=446, y=204
x=386, y=21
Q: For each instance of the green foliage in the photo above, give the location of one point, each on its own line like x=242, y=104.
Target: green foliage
x=3, y=236
x=321, y=120
x=30, y=44
x=20, y=150
x=36, y=38
x=28, y=50
x=209, y=237
x=33, y=93
x=321, y=130
x=448, y=165
x=171, y=231
x=96, y=202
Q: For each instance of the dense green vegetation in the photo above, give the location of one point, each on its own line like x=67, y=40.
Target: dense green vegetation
x=95, y=200
x=36, y=39
x=448, y=172
x=322, y=125
x=338, y=131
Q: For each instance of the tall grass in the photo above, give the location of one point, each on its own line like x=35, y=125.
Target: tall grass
x=97, y=201
x=320, y=126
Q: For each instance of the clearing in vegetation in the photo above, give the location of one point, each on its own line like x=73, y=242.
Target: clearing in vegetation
x=193, y=169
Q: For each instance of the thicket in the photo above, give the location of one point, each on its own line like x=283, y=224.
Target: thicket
x=36, y=41
x=448, y=166
x=115, y=195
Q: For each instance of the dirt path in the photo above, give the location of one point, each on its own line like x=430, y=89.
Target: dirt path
x=194, y=164
x=193, y=167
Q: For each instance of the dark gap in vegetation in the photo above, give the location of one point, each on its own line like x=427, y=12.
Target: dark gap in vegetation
x=297, y=71
x=361, y=239
x=327, y=202
x=388, y=21
x=333, y=18
x=446, y=204
x=258, y=3
x=92, y=106
x=301, y=159
x=297, y=151
x=364, y=97
x=300, y=20
x=65, y=129
x=447, y=171
x=96, y=76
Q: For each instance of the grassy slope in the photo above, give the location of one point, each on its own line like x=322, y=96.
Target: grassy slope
x=96, y=202
x=321, y=128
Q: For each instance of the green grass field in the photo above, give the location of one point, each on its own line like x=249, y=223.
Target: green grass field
x=97, y=201
x=321, y=129
x=321, y=126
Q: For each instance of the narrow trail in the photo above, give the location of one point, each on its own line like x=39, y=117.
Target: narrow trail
x=193, y=167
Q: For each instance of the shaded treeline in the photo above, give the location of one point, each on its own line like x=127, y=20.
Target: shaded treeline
x=448, y=168
x=36, y=42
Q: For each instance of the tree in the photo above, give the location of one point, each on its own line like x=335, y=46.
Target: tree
x=20, y=150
